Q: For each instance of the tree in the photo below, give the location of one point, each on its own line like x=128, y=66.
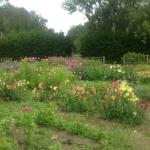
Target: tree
x=75, y=33
x=18, y=19
x=109, y=15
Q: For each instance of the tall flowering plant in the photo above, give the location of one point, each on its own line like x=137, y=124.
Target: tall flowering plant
x=25, y=120
x=120, y=102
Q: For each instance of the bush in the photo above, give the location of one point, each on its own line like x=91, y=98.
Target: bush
x=82, y=96
x=92, y=73
x=11, y=89
x=28, y=72
x=114, y=72
x=60, y=75
x=134, y=58
x=46, y=114
x=120, y=102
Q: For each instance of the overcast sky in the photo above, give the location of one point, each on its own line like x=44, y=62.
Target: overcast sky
x=52, y=10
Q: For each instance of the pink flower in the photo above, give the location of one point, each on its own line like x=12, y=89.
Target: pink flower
x=26, y=108
x=115, y=84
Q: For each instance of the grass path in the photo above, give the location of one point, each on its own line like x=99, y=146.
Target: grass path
x=137, y=138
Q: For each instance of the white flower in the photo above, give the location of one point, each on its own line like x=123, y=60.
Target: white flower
x=119, y=70
x=55, y=88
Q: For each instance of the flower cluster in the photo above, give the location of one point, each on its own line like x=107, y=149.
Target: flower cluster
x=81, y=90
x=18, y=84
x=122, y=103
x=121, y=90
x=68, y=62
x=144, y=74
x=30, y=59
x=116, y=68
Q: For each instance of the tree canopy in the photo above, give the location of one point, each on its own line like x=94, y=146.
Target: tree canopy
x=109, y=15
x=17, y=19
x=114, y=27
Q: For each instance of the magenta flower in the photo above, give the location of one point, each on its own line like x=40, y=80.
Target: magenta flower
x=115, y=84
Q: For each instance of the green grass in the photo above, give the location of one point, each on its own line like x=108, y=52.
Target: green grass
x=91, y=131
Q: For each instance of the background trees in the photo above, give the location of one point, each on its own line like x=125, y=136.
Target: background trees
x=114, y=27
x=24, y=34
x=19, y=19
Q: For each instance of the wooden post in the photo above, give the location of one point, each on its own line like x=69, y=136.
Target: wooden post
x=104, y=60
x=147, y=59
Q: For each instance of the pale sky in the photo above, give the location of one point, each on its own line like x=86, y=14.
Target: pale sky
x=58, y=18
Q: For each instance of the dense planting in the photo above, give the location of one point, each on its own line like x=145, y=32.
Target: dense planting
x=38, y=92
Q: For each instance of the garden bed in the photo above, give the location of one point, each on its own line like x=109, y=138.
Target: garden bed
x=74, y=104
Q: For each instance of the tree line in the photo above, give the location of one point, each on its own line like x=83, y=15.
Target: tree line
x=25, y=34
x=114, y=27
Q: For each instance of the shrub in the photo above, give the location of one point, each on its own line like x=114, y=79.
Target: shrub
x=82, y=96
x=120, y=102
x=15, y=90
x=114, y=72
x=60, y=75
x=92, y=73
x=134, y=58
x=46, y=114
x=28, y=72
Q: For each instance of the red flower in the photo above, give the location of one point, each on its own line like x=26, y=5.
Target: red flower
x=26, y=108
x=115, y=84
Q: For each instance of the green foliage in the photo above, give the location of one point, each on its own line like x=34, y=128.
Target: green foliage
x=113, y=27
x=34, y=44
x=135, y=58
x=43, y=139
x=7, y=143
x=60, y=76
x=111, y=45
x=92, y=73
x=114, y=72
x=142, y=91
x=82, y=96
x=120, y=102
x=11, y=89
x=25, y=120
x=82, y=130
x=46, y=115
x=19, y=19
x=27, y=72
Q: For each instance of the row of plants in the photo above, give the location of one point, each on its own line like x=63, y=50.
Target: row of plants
x=25, y=122
x=44, y=81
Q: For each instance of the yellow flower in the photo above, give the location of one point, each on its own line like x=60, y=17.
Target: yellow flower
x=127, y=95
